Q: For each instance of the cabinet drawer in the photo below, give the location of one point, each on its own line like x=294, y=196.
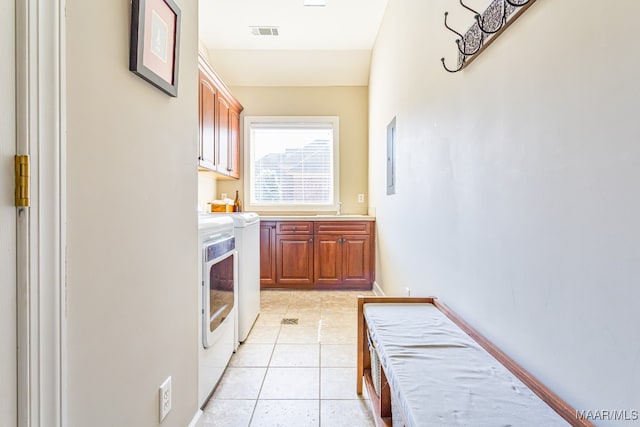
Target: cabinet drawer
x=294, y=227
x=343, y=227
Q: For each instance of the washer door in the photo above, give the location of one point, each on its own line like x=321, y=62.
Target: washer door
x=219, y=296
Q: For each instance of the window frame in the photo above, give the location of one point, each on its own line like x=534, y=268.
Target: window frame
x=248, y=121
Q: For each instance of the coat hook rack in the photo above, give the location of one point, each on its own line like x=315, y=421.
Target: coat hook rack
x=488, y=26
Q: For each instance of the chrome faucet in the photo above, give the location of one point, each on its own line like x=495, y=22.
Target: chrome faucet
x=339, y=210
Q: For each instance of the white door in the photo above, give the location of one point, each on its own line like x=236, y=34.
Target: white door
x=8, y=366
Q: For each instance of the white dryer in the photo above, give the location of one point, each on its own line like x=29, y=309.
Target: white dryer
x=247, y=234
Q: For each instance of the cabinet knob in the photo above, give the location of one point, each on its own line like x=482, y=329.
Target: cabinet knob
x=311, y=240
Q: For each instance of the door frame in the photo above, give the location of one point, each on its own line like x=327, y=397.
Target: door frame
x=41, y=228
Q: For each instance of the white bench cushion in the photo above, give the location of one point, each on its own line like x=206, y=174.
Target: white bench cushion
x=441, y=377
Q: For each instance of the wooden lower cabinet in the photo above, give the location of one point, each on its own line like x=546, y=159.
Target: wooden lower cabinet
x=356, y=261
x=317, y=255
x=343, y=260
x=294, y=260
x=267, y=254
x=327, y=263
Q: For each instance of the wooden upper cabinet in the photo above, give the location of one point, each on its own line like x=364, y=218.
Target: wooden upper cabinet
x=222, y=135
x=234, y=143
x=219, y=122
x=206, y=104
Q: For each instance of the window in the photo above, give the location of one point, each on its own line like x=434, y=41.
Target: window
x=292, y=163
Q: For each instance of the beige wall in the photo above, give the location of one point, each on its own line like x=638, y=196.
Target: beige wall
x=132, y=225
x=517, y=185
x=349, y=103
x=8, y=366
x=206, y=188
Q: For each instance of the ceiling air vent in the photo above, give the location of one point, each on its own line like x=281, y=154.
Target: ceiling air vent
x=264, y=31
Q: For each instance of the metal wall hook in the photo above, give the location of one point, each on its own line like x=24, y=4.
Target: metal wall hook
x=460, y=42
x=503, y=20
x=449, y=28
x=469, y=9
x=450, y=70
x=517, y=4
x=463, y=49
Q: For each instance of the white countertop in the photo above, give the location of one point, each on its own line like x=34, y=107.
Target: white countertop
x=345, y=217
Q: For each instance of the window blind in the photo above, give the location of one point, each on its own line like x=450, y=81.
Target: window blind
x=292, y=163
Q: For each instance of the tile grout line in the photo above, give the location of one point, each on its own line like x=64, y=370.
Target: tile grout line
x=320, y=368
x=255, y=405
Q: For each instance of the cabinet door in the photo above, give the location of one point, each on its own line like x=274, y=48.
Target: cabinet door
x=267, y=254
x=327, y=268
x=356, y=260
x=207, y=104
x=222, y=135
x=234, y=144
x=294, y=260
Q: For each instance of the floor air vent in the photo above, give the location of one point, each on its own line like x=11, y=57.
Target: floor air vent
x=289, y=321
x=265, y=31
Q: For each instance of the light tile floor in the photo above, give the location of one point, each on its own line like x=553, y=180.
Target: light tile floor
x=295, y=375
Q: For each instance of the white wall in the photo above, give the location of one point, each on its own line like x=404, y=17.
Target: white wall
x=8, y=369
x=132, y=225
x=517, y=190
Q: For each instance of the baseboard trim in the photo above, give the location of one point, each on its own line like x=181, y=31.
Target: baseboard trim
x=198, y=419
x=377, y=289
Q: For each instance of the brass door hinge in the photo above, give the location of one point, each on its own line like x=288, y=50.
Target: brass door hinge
x=22, y=180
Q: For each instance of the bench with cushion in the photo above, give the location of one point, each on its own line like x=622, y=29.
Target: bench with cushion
x=424, y=366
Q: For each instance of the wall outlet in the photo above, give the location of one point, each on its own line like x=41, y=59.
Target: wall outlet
x=165, y=398
x=360, y=198
x=408, y=290
x=223, y=196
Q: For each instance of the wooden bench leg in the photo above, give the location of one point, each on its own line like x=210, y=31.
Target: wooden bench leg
x=385, y=398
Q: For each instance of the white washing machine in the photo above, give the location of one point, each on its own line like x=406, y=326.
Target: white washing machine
x=218, y=300
x=247, y=234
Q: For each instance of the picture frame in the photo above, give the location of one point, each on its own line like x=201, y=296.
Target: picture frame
x=154, y=51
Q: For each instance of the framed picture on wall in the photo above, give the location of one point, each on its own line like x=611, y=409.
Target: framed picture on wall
x=155, y=43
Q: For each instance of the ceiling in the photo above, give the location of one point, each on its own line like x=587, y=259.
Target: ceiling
x=316, y=46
